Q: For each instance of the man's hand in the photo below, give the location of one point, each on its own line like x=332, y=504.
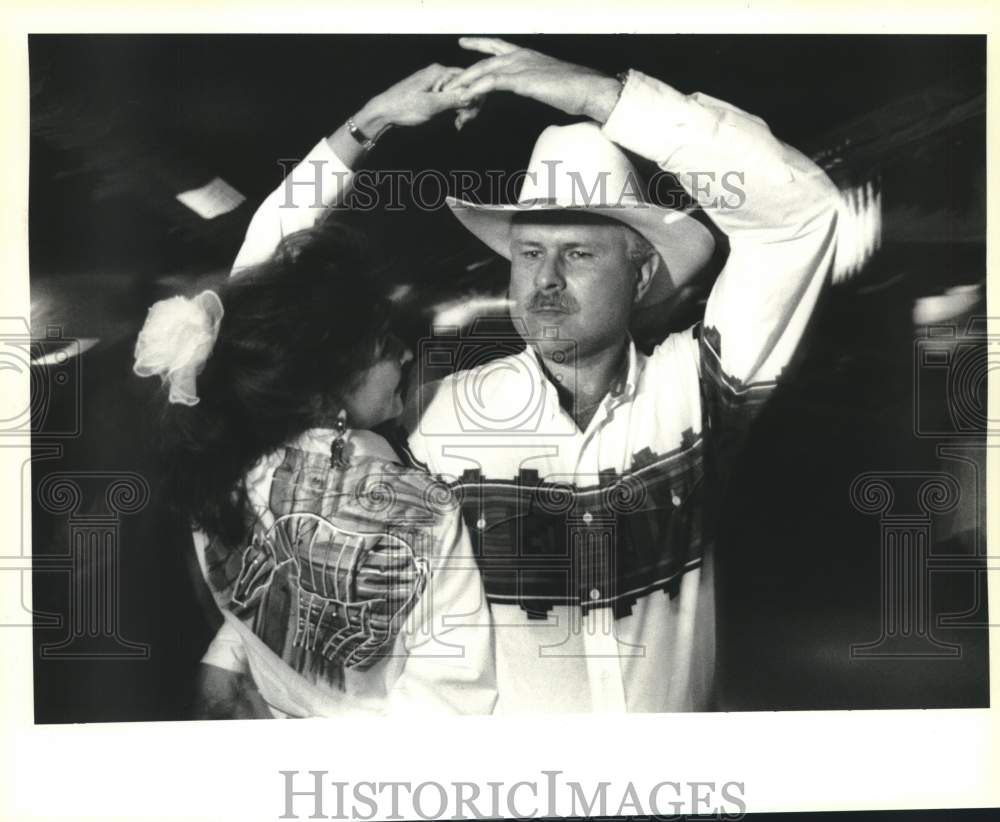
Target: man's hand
x=565, y=86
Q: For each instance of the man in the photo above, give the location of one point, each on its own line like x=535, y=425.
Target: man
x=580, y=463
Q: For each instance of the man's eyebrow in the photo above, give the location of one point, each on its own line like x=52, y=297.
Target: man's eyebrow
x=589, y=245
x=563, y=244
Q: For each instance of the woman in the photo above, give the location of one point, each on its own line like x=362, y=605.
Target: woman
x=345, y=579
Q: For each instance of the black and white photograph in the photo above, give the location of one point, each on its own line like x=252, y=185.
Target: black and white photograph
x=540, y=378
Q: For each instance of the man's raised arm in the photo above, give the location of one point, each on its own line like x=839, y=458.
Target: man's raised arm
x=776, y=206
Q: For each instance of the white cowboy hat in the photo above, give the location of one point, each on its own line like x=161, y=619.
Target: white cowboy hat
x=577, y=168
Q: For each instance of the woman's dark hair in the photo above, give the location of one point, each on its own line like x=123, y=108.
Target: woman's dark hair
x=297, y=331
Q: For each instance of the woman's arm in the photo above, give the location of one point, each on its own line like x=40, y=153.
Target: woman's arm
x=323, y=178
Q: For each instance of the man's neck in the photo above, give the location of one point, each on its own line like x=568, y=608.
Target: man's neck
x=582, y=383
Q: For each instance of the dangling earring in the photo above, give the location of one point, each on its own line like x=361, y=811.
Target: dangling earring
x=337, y=458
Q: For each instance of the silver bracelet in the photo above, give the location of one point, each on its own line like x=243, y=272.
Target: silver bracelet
x=366, y=142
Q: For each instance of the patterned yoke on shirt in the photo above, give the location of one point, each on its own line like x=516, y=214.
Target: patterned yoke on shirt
x=541, y=542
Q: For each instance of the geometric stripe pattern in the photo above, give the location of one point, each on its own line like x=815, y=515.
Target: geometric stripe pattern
x=541, y=543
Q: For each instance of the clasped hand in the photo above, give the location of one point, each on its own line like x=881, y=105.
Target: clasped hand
x=574, y=89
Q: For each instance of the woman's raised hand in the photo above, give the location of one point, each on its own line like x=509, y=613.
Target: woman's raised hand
x=412, y=101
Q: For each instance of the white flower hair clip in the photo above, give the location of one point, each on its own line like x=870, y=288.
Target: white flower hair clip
x=176, y=340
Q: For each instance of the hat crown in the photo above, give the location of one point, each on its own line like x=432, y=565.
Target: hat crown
x=578, y=167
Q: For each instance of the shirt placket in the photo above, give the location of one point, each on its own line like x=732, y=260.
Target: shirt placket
x=594, y=535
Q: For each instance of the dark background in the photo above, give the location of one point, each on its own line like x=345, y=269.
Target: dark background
x=121, y=124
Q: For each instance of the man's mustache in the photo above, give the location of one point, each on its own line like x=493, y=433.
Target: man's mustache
x=540, y=301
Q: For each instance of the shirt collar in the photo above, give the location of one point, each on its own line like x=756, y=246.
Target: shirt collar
x=625, y=388
x=621, y=390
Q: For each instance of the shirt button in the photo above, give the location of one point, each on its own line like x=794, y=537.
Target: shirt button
x=480, y=523
x=676, y=500
x=587, y=519
x=595, y=594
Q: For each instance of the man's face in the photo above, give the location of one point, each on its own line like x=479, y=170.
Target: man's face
x=571, y=282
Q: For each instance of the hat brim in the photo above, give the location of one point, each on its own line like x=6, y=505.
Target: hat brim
x=684, y=244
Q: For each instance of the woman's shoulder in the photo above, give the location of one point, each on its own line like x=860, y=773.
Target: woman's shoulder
x=317, y=444
x=399, y=489
x=372, y=445
x=382, y=459
x=377, y=480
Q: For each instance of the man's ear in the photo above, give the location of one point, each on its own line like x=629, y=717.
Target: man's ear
x=644, y=273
